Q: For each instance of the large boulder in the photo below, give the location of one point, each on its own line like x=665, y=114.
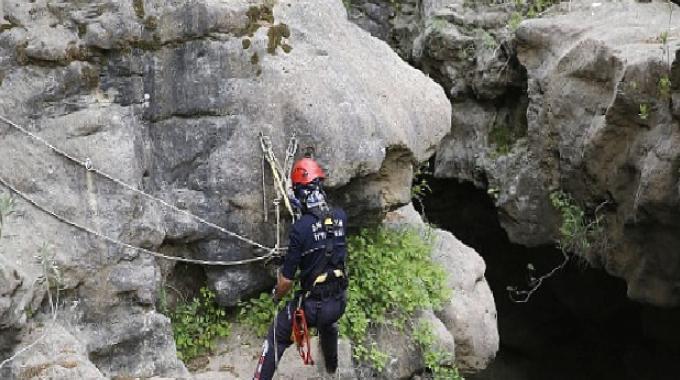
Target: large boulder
x=169, y=97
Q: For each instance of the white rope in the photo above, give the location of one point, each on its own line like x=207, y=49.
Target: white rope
x=88, y=165
x=126, y=245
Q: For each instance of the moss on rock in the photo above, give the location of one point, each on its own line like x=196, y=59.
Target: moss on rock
x=275, y=34
x=151, y=22
x=257, y=16
x=138, y=6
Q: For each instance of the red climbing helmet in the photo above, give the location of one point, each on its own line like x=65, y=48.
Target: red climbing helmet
x=305, y=171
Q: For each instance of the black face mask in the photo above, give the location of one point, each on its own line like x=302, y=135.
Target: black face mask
x=311, y=197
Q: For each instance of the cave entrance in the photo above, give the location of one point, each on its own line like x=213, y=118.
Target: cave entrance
x=578, y=326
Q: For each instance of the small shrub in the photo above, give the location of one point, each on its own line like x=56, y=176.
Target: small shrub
x=515, y=19
x=664, y=86
x=528, y=9
x=420, y=188
x=577, y=234
x=488, y=41
x=391, y=276
x=196, y=325
x=503, y=138
x=644, y=111
x=258, y=313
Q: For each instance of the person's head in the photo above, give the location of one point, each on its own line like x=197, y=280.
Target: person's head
x=307, y=179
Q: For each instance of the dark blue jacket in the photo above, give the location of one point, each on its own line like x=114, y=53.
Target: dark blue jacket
x=307, y=243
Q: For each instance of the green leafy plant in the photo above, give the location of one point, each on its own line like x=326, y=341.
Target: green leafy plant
x=577, y=233
x=258, y=313
x=391, y=276
x=644, y=111
x=528, y=9
x=197, y=325
x=51, y=277
x=515, y=19
x=439, y=363
x=488, y=41
x=503, y=138
x=664, y=86
x=420, y=188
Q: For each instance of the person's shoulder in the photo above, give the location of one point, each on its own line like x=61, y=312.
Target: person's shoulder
x=304, y=221
x=339, y=213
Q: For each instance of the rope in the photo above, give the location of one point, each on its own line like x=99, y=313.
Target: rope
x=126, y=245
x=276, y=172
x=87, y=164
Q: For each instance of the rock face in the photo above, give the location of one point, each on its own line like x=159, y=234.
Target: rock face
x=470, y=317
x=56, y=355
x=170, y=97
x=583, y=99
x=603, y=126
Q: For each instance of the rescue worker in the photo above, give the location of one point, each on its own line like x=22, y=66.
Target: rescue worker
x=317, y=247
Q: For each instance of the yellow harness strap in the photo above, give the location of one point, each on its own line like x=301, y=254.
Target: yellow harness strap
x=322, y=278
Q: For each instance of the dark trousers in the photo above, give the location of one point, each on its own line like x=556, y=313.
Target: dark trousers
x=320, y=313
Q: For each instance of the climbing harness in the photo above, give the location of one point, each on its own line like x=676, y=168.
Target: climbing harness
x=87, y=165
x=300, y=334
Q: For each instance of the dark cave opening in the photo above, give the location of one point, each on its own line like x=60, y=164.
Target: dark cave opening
x=578, y=325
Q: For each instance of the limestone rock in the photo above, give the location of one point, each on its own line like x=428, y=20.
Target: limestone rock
x=405, y=357
x=55, y=354
x=138, y=345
